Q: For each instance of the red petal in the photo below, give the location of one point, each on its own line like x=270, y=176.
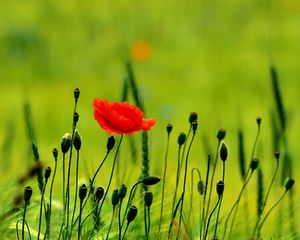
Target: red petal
x=148, y=123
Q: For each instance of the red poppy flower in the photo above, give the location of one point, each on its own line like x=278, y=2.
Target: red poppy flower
x=120, y=117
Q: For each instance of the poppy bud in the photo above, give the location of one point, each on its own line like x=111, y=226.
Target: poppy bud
x=193, y=117
x=258, y=120
x=77, y=141
x=148, y=198
x=132, y=212
x=223, y=152
x=55, y=153
x=289, y=183
x=194, y=126
x=99, y=193
x=66, y=142
x=277, y=155
x=47, y=173
x=110, y=143
x=115, y=197
x=122, y=191
x=221, y=134
x=76, y=94
x=220, y=188
x=254, y=164
x=75, y=118
x=181, y=138
x=169, y=128
x=27, y=194
x=82, y=192
x=151, y=180
x=201, y=187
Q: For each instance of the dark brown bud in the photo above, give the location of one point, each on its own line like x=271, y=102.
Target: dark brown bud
x=169, y=128
x=201, y=187
x=55, y=153
x=122, y=191
x=223, y=152
x=82, y=192
x=220, y=188
x=76, y=94
x=221, y=134
x=66, y=142
x=47, y=173
x=75, y=118
x=27, y=194
x=258, y=120
x=254, y=164
x=151, y=180
x=110, y=143
x=132, y=212
x=148, y=198
x=77, y=141
x=115, y=198
x=289, y=183
x=99, y=193
x=181, y=138
x=277, y=155
x=193, y=117
x=194, y=126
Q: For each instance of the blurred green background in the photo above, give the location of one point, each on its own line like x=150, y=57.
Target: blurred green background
x=211, y=57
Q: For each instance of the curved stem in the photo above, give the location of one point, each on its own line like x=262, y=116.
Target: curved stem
x=50, y=200
x=111, y=175
x=208, y=221
x=24, y=214
x=76, y=189
x=163, y=187
x=268, y=213
x=177, y=180
x=24, y=222
x=192, y=189
x=174, y=215
x=266, y=198
x=125, y=230
x=111, y=222
x=41, y=210
x=119, y=219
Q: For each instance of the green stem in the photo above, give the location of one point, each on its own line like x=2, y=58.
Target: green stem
x=111, y=222
x=24, y=222
x=177, y=180
x=76, y=190
x=111, y=175
x=125, y=230
x=119, y=219
x=41, y=210
x=149, y=223
x=50, y=200
x=79, y=220
x=208, y=221
x=24, y=214
x=63, y=197
x=192, y=190
x=145, y=222
x=174, y=215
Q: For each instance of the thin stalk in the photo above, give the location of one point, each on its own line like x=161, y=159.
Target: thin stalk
x=149, y=222
x=111, y=222
x=119, y=219
x=79, y=220
x=112, y=173
x=177, y=179
x=184, y=179
x=17, y=228
x=125, y=230
x=145, y=222
x=50, y=200
x=76, y=187
x=41, y=209
x=204, y=198
x=163, y=187
x=212, y=180
x=208, y=221
x=268, y=213
x=266, y=198
x=174, y=215
x=24, y=214
x=192, y=189
x=219, y=209
x=63, y=196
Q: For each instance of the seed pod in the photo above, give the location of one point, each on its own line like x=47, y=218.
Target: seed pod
x=221, y=134
x=47, y=173
x=151, y=180
x=99, y=193
x=193, y=117
x=76, y=94
x=254, y=164
x=258, y=120
x=169, y=128
x=115, y=198
x=289, y=183
x=27, y=194
x=201, y=187
x=194, y=126
x=55, y=153
x=223, y=152
x=66, y=142
x=110, y=143
x=122, y=191
x=148, y=198
x=220, y=188
x=132, y=212
x=77, y=141
x=181, y=138
x=277, y=155
x=82, y=192
x=75, y=118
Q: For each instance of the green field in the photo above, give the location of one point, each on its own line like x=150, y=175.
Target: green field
x=211, y=57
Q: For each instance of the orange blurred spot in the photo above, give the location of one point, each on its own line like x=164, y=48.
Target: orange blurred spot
x=181, y=232
x=141, y=51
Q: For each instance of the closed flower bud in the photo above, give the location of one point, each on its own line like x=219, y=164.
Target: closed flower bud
x=221, y=134
x=277, y=155
x=169, y=128
x=181, y=138
x=148, y=198
x=99, y=193
x=258, y=120
x=115, y=197
x=77, y=141
x=254, y=164
x=193, y=117
x=223, y=152
x=55, y=153
x=194, y=126
x=220, y=188
x=27, y=194
x=76, y=94
x=47, y=173
x=110, y=143
x=75, y=118
x=82, y=192
x=151, y=180
x=122, y=191
x=66, y=142
x=289, y=183
x=201, y=187
x=132, y=212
